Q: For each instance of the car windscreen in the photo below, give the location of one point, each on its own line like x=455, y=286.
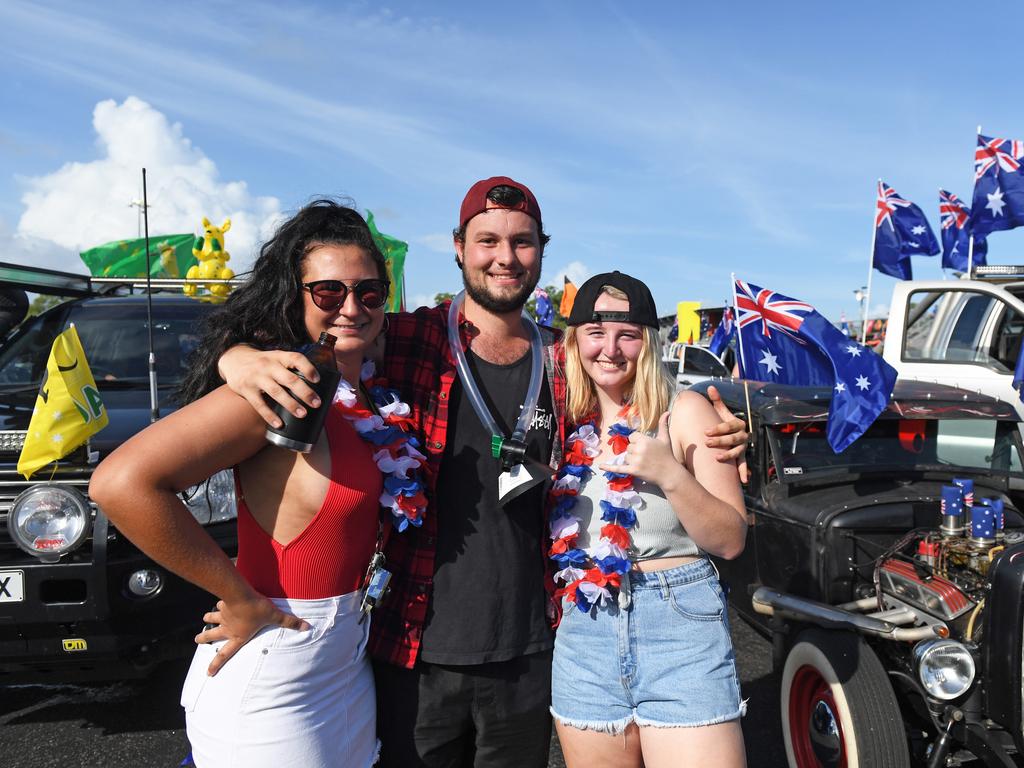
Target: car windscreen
x=701, y=362
x=115, y=339
x=900, y=445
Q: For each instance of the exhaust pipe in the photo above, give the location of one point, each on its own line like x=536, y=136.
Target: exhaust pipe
x=769, y=602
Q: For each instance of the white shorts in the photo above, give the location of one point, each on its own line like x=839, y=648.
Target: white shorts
x=288, y=697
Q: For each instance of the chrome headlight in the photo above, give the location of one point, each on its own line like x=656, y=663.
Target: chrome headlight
x=945, y=668
x=213, y=500
x=49, y=520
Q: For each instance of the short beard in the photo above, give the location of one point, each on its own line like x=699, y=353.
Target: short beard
x=501, y=305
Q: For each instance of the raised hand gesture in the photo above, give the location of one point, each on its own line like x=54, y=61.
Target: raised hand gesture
x=649, y=458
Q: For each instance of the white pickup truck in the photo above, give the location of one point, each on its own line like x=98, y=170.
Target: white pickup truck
x=966, y=333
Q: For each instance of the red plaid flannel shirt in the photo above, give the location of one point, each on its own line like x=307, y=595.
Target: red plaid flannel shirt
x=419, y=364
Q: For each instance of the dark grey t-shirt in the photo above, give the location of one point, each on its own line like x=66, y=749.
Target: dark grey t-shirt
x=488, y=601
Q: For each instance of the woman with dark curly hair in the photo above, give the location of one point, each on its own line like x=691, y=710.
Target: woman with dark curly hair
x=298, y=689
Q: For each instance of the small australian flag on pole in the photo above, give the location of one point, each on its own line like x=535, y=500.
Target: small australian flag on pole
x=998, y=186
x=956, y=234
x=723, y=334
x=901, y=231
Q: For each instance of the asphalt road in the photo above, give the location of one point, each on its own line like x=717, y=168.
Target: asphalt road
x=140, y=725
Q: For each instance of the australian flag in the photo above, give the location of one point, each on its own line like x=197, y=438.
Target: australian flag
x=901, y=231
x=998, y=185
x=954, y=214
x=723, y=334
x=786, y=341
x=544, y=312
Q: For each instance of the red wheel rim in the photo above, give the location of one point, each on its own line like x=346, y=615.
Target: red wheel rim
x=806, y=692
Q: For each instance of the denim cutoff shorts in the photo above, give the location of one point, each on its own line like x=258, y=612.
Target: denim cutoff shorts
x=665, y=661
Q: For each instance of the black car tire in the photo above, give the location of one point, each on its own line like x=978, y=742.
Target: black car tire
x=835, y=678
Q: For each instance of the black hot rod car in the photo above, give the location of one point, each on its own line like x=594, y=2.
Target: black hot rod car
x=898, y=635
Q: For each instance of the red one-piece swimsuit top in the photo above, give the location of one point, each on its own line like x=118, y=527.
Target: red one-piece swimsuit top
x=330, y=555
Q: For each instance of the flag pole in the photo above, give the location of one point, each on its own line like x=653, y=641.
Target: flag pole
x=970, y=243
x=736, y=321
x=743, y=362
x=871, y=269
x=154, y=404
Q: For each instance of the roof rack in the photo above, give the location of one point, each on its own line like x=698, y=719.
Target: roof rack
x=108, y=284
x=55, y=283
x=48, y=281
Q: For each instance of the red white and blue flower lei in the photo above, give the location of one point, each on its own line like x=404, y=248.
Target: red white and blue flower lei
x=397, y=455
x=594, y=577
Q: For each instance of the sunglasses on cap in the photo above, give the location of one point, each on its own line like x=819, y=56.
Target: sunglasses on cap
x=331, y=294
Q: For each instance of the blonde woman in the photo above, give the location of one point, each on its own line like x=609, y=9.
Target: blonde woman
x=644, y=672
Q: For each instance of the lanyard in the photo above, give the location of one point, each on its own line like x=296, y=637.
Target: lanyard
x=510, y=449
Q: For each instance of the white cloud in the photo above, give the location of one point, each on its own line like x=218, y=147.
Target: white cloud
x=576, y=271
x=83, y=204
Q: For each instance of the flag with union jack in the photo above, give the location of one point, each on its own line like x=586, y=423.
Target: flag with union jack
x=723, y=334
x=901, y=231
x=954, y=214
x=544, y=311
x=998, y=185
x=786, y=341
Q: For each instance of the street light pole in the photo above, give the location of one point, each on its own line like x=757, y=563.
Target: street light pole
x=142, y=206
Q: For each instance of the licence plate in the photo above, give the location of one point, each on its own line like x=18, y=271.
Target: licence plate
x=12, y=586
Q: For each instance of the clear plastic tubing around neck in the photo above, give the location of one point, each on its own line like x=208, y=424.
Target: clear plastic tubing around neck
x=469, y=384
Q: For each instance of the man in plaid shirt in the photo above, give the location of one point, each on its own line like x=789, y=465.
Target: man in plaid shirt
x=463, y=642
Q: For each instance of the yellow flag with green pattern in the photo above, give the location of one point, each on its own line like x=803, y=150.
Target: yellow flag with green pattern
x=68, y=407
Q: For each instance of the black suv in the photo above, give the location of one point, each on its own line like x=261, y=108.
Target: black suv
x=99, y=608
x=898, y=633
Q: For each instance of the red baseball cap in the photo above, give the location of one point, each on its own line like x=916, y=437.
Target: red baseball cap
x=475, y=201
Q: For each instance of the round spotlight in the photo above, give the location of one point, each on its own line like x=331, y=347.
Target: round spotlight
x=145, y=582
x=49, y=520
x=945, y=668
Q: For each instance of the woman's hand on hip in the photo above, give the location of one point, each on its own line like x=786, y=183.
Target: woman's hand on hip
x=238, y=622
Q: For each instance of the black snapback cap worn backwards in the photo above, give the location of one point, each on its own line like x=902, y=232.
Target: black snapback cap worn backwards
x=641, y=303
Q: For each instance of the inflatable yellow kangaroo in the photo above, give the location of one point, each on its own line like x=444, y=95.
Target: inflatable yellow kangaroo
x=209, y=249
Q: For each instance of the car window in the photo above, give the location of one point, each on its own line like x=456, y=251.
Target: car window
x=23, y=360
x=973, y=443
x=701, y=362
x=962, y=327
x=894, y=445
x=1005, y=347
x=116, y=343
x=115, y=339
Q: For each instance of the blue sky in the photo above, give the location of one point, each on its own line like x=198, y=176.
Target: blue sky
x=677, y=141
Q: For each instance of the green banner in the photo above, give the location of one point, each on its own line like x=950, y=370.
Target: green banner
x=170, y=256
x=394, y=251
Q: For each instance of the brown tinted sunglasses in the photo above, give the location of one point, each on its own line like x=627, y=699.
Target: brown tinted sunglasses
x=331, y=294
